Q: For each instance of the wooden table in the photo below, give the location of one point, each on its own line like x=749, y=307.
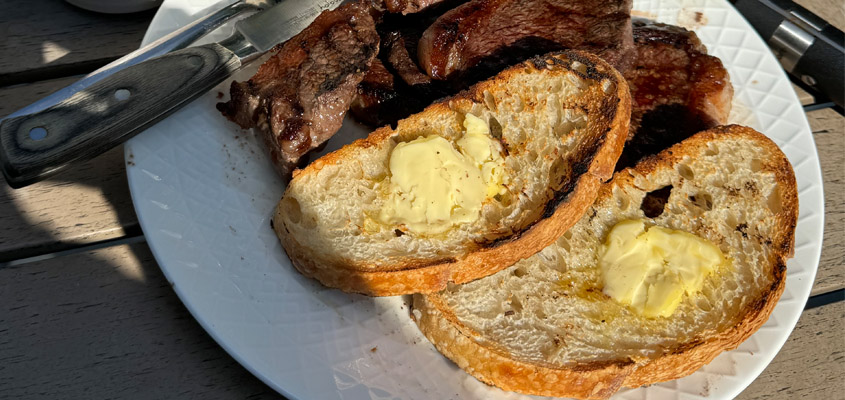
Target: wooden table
x=86, y=313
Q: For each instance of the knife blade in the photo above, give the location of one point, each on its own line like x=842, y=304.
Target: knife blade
x=109, y=112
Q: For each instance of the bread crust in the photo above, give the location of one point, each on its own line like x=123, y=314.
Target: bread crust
x=785, y=237
x=426, y=276
x=496, y=367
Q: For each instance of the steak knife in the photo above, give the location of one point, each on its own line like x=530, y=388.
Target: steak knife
x=176, y=40
x=112, y=110
x=811, y=50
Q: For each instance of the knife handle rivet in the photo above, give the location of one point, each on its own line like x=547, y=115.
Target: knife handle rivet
x=37, y=133
x=809, y=80
x=122, y=94
x=195, y=61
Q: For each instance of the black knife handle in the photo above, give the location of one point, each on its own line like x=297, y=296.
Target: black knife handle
x=809, y=49
x=822, y=67
x=109, y=112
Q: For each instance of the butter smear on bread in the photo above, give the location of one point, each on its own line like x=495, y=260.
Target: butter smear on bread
x=650, y=269
x=434, y=185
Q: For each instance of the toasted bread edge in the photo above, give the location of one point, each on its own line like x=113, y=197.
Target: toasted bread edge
x=433, y=277
x=600, y=380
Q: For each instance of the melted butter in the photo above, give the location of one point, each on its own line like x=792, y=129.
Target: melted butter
x=650, y=270
x=434, y=186
x=485, y=153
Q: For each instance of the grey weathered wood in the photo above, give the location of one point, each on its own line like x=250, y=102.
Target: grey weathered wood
x=829, y=133
x=85, y=204
x=91, y=202
x=15, y=97
x=44, y=39
x=811, y=365
x=831, y=10
x=88, y=325
x=803, y=96
x=106, y=324
x=109, y=112
x=111, y=327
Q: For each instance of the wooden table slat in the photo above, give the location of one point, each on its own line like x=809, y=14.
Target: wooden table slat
x=92, y=203
x=86, y=204
x=803, y=96
x=829, y=133
x=44, y=39
x=106, y=324
x=15, y=97
x=833, y=11
x=811, y=365
x=112, y=326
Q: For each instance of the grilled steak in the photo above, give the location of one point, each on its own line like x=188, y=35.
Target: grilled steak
x=378, y=99
x=399, y=57
x=395, y=86
x=405, y=6
x=298, y=97
x=400, y=37
x=676, y=89
x=400, y=41
x=507, y=31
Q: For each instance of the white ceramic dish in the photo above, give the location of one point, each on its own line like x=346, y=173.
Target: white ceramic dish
x=204, y=193
x=116, y=6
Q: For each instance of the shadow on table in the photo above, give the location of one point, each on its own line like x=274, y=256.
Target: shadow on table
x=47, y=39
x=85, y=322
x=102, y=322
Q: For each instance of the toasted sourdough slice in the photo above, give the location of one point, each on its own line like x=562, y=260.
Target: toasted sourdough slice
x=562, y=120
x=544, y=326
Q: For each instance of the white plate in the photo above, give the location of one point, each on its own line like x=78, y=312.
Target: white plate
x=204, y=193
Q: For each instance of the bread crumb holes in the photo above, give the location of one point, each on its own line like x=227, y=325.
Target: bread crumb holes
x=578, y=66
x=495, y=128
x=775, y=203
x=703, y=201
x=563, y=242
x=622, y=201
x=686, y=172
x=655, y=201
x=294, y=211
x=703, y=304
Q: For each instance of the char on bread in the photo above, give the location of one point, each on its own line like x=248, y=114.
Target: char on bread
x=298, y=97
x=677, y=89
x=561, y=119
x=491, y=33
x=544, y=326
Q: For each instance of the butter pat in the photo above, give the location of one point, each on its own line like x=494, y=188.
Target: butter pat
x=434, y=186
x=651, y=270
x=485, y=153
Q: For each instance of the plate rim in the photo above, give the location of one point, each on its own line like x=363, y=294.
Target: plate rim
x=227, y=346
